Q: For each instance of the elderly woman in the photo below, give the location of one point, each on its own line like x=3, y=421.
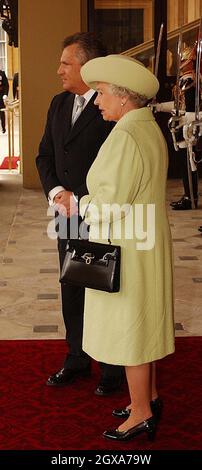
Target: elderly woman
x=133, y=327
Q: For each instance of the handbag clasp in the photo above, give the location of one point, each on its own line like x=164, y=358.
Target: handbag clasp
x=88, y=257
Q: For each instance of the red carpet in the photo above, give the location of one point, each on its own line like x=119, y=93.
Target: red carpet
x=5, y=164
x=34, y=416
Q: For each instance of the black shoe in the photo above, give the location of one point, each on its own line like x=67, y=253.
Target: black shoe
x=66, y=376
x=105, y=387
x=183, y=204
x=174, y=203
x=200, y=228
x=148, y=426
x=3, y=131
x=156, y=408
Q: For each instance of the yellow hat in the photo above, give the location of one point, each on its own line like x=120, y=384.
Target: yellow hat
x=122, y=71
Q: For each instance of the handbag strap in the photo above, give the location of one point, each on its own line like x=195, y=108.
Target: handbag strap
x=83, y=221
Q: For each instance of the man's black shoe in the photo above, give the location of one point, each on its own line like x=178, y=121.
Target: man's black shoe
x=174, y=203
x=183, y=204
x=66, y=376
x=105, y=387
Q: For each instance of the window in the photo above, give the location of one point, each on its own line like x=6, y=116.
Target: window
x=3, y=49
x=121, y=24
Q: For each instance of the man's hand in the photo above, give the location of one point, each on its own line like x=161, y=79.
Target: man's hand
x=66, y=204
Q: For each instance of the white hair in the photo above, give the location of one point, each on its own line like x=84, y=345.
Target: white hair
x=136, y=98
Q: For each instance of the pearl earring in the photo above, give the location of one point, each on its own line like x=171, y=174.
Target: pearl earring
x=122, y=104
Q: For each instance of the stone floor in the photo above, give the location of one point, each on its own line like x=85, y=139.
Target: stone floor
x=29, y=287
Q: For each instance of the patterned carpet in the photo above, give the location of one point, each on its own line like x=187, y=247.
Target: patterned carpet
x=34, y=416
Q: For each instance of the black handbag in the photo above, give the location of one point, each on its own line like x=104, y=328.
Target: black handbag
x=91, y=264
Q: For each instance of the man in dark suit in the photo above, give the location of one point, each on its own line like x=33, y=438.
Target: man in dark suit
x=16, y=86
x=73, y=135
x=4, y=88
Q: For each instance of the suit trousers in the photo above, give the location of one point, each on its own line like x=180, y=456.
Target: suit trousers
x=182, y=153
x=73, y=310
x=3, y=120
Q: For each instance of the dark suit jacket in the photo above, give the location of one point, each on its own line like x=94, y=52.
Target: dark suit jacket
x=65, y=154
x=15, y=86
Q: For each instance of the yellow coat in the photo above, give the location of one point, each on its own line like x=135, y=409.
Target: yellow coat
x=135, y=325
